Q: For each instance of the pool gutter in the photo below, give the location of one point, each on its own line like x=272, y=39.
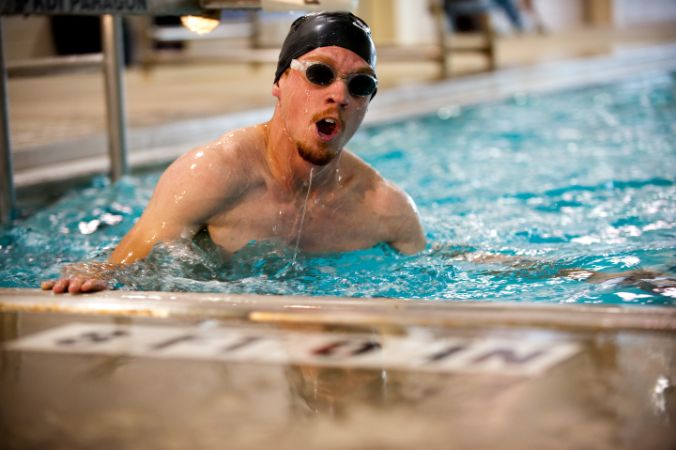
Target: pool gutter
x=339, y=310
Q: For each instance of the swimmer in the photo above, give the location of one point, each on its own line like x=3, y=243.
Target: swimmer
x=290, y=179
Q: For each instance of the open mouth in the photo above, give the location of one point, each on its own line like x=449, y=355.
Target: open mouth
x=327, y=128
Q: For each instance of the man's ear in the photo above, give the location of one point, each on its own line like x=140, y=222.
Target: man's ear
x=275, y=89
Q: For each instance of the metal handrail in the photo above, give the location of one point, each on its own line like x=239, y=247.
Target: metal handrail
x=54, y=65
x=111, y=62
x=113, y=66
x=7, y=195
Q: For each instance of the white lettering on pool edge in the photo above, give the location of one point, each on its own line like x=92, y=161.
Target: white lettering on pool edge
x=443, y=354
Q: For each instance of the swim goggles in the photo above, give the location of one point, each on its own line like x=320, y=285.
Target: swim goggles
x=319, y=73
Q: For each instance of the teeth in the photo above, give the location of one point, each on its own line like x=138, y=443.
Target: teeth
x=330, y=120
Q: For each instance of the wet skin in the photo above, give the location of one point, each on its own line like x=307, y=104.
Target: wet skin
x=253, y=183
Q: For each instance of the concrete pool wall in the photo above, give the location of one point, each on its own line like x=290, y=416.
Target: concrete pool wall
x=182, y=370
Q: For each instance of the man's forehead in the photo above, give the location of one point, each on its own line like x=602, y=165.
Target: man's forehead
x=338, y=56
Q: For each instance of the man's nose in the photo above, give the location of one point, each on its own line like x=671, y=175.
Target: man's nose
x=339, y=93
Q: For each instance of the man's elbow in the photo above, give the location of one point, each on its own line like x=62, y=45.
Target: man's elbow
x=410, y=247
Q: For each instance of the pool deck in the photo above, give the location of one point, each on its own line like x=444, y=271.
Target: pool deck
x=57, y=122
x=180, y=370
x=62, y=163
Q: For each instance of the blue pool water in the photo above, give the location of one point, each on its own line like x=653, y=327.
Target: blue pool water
x=576, y=179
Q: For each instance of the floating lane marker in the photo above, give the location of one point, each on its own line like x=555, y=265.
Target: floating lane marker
x=413, y=352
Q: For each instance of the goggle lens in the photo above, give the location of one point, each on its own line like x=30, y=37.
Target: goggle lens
x=320, y=74
x=362, y=85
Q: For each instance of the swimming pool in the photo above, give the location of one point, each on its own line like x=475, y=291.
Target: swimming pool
x=617, y=391
x=580, y=178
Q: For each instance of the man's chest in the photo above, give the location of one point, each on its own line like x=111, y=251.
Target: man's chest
x=318, y=225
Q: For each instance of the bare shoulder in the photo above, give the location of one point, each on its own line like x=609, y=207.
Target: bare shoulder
x=218, y=165
x=231, y=152
x=209, y=176
x=394, y=208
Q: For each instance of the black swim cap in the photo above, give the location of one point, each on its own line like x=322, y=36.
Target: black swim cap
x=324, y=29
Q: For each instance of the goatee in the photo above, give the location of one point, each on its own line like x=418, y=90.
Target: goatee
x=318, y=158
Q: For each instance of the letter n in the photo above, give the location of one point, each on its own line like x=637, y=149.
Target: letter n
x=508, y=356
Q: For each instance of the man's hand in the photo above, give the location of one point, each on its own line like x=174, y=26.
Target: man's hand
x=81, y=278
x=74, y=285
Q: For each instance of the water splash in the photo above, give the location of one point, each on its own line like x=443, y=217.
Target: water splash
x=662, y=387
x=302, y=217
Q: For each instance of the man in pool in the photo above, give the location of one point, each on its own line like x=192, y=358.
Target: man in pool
x=290, y=179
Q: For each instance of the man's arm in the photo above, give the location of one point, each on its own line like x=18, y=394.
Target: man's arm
x=189, y=192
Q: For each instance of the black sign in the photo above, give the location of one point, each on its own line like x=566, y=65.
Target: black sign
x=27, y=7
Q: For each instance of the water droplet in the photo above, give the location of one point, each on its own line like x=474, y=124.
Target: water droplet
x=302, y=217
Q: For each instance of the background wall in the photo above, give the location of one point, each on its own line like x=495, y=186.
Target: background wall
x=413, y=22
x=633, y=12
x=410, y=21
x=27, y=37
x=560, y=15
x=400, y=22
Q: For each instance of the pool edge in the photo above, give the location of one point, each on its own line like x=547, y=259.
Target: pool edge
x=339, y=310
